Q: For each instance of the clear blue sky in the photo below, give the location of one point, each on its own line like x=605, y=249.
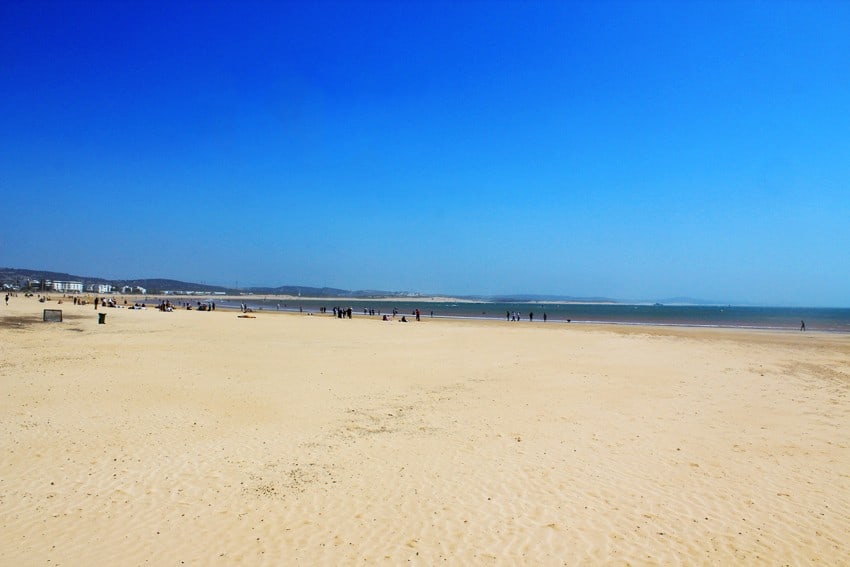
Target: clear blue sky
x=636, y=150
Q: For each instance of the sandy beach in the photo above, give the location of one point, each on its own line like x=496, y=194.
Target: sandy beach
x=203, y=438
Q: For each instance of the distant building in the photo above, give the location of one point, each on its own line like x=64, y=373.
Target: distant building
x=66, y=287
x=134, y=289
x=100, y=288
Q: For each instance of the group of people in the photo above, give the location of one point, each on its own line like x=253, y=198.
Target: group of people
x=202, y=306
x=347, y=312
x=164, y=305
x=342, y=313
x=104, y=302
x=403, y=317
x=515, y=316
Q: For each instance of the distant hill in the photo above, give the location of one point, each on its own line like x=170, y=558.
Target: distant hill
x=21, y=277
x=297, y=290
x=159, y=285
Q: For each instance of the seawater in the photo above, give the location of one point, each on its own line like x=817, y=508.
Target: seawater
x=729, y=316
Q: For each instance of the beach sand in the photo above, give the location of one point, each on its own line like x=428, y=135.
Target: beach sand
x=207, y=439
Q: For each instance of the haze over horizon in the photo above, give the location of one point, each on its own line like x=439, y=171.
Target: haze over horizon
x=517, y=295
x=632, y=150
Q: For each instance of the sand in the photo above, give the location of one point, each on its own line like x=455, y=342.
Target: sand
x=205, y=439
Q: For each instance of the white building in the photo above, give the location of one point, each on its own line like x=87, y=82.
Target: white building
x=134, y=289
x=66, y=287
x=100, y=288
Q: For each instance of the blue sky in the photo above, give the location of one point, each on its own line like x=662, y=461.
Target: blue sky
x=636, y=150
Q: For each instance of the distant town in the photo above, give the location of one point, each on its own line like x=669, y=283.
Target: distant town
x=69, y=286
x=39, y=281
x=46, y=285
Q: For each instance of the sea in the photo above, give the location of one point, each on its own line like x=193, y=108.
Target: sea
x=836, y=320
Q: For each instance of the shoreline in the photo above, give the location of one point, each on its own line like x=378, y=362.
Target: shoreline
x=422, y=299
x=312, y=308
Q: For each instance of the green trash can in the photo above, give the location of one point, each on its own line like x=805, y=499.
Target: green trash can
x=101, y=318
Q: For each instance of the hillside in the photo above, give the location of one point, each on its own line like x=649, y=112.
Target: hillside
x=20, y=277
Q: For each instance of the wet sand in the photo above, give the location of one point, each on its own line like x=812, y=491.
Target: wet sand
x=203, y=438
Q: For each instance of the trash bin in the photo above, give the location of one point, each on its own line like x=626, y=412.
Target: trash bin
x=101, y=318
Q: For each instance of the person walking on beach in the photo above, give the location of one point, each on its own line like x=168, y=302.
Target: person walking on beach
x=7, y=299
x=531, y=317
x=802, y=326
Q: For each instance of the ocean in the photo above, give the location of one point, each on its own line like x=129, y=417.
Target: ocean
x=728, y=316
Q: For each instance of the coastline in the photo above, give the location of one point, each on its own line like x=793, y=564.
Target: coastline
x=780, y=319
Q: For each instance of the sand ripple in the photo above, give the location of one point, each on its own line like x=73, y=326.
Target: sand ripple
x=438, y=443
